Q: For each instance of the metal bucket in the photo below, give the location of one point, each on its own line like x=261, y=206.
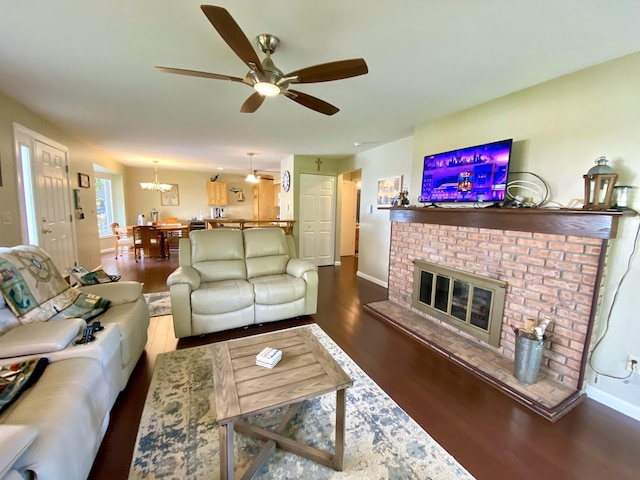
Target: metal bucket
x=526, y=364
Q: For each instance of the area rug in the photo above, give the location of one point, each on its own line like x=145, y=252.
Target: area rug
x=159, y=303
x=178, y=438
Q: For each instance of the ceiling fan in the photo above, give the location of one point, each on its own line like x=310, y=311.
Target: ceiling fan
x=264, y=77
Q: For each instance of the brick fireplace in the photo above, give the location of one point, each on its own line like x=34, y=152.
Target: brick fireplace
x=553, y=262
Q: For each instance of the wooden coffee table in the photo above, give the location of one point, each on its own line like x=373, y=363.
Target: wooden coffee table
x=242, y=388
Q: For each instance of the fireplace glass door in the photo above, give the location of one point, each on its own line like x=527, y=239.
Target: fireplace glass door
x=472, y=303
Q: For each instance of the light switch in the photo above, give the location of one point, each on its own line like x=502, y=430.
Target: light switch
x=6, y=218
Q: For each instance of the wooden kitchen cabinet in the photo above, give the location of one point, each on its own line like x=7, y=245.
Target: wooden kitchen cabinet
x=217, y=194
x=264, y=205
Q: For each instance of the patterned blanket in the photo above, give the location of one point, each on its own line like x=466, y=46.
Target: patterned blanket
x=35, y=291
x=18, y=377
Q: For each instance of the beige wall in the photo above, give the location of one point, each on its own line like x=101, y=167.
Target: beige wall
x=81, y=159
x=375, y=229
x=287, y=199
x=192, y=189
x=559, y=128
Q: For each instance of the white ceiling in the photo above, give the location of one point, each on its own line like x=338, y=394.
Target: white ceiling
x=88, y=67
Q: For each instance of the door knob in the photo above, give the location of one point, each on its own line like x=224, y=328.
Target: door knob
x=46, y=230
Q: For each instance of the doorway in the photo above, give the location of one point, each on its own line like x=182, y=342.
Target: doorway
x=45, y=200
x=350, y=213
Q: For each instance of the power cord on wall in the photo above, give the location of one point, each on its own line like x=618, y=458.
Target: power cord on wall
x=573, y=203
x=517, y=188
x=608, y=318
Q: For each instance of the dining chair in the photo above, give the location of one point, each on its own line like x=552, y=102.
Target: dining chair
x=147, y=240
x=172, y=238
x=122, y=242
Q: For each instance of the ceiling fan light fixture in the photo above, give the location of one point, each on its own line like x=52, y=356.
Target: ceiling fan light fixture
x=267, y=89
x=251, y=178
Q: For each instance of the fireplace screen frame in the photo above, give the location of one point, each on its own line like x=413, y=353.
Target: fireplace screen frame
x=498, y=288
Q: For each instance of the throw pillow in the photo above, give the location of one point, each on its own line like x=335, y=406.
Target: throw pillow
x=28, y=278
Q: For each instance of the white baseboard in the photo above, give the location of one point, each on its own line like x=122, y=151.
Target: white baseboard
x=372, y=279
x=337, y=263
x=609, y=400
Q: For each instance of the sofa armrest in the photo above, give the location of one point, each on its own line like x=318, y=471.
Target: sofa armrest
x=297, y=267
x=117, y=292
x=39, y=338
x=14, y=440
x=308, y=271
x=184, y=275
x=181, y=283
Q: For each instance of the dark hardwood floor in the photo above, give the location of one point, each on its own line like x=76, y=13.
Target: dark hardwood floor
x=491, y=435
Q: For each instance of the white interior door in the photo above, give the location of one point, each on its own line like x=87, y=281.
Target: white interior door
x=54, y=209
x=317, y=218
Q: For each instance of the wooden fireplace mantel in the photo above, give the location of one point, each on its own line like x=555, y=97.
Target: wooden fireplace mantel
x=582, y=223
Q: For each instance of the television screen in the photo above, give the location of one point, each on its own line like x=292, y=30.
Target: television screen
x=471, y=174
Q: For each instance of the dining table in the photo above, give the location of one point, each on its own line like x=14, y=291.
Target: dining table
x=165, y=230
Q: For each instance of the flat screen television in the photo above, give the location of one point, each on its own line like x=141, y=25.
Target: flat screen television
x=470, y=174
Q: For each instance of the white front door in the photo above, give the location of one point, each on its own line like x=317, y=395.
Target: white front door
x=45, y=201
x=317, y=218
x=56, y=234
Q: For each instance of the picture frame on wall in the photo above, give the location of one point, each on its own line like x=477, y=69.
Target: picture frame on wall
x=83, y=180
x=388, y=191
x=170, y=198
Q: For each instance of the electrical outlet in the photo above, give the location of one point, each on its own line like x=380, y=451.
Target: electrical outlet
x=631, y=366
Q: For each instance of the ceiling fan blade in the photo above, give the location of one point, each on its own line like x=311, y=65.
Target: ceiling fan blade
x=196, y=73
x=311, y=102
x=252, y=103
x=231, y=33
x=326, y=72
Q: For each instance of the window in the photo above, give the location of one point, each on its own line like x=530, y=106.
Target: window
x=104, y=205
x=29, y=200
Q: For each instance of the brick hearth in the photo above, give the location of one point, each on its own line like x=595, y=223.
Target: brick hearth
x=553, y=262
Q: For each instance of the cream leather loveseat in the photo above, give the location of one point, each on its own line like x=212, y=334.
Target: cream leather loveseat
x=54, y=428
x=232, y=278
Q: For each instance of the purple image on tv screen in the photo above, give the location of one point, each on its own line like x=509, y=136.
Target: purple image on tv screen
x=471, y=174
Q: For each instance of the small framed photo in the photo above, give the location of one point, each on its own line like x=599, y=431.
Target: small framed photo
x=389, y=191
x=84, y=180
x=170, y=198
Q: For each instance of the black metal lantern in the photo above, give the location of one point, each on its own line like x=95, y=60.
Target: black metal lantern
x=598, y=186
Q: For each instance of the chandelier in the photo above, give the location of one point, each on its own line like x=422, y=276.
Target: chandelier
x=158, y=187
x=252, y=177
